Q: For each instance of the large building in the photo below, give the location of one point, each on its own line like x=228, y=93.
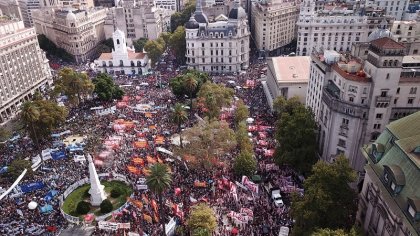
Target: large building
x=27, y=7
x=353, y=99
x=24, y=67
x=77, y=31
x=287, y=77
x=392, y=8
x=221, y=46
x=79, y=4
x=389, y=202
x=137, y=21
x=122, y=59
x=273, y=24
x=10, y=8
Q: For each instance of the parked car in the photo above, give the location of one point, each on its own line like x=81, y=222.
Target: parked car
x=276, y=196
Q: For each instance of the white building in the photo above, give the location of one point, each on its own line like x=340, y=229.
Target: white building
x=172, y=5
x=389, y=203
x=221, y=46
x=77, y=31
x=287, y=77
x=406, y=31
x=137, y=20
x=78, y=4
x=333, y=28
x=23, y=69
x=122, y=59
x=10, y=8
x=274, y=23
x=393, y=8
x=27, y=6
x=353, y=100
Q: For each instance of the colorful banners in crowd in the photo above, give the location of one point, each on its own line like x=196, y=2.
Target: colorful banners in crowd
x=249, y=184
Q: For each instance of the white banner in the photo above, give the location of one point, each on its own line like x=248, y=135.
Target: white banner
x=249, y=184
x=133, y=234
x=124, y=225
x=108, y=225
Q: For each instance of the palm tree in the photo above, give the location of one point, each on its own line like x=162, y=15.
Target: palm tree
x=179, y=116
x=158, y=180
x=190, y=84
x=30, y=115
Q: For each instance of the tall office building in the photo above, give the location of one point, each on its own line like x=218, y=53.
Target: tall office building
x=27, y=7
x=77, y=31
x=354, y=99
x=389, y=203
x=273, y=23
x=24, y=67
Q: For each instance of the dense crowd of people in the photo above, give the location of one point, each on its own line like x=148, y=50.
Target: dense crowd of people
x=149, y=125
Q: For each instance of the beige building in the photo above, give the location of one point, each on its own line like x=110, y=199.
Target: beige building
x=287, y=77
x=23, y=67
x=274, y=23
x=10, y=8
x=389, y=203
x=137, y=21
x=78, y=4
x=77, y=31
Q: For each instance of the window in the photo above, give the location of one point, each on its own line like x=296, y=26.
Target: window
x=410, y=100
x=413, y=90
x=363, y=101
x=341, y=143
x=345, y=121
x=364, y=90
x=351, y=99
x=384, y=93
x=386, y=178
x=393, y=186
x=395, y=100
x=379, y=116
x=377, y=126
x=352, y=89
x=398, y=90
x=387, y=76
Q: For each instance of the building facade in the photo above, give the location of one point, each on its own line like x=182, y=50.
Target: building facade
x=287, y=77
x=27, y=6
x=122, y=59
x=11, y=9
x=273, y=24
x=137, y=21
x=221, y=46
x=353, y=99
x=392, y=8
x=24, y=67
x=389, y=203
x=77, y=31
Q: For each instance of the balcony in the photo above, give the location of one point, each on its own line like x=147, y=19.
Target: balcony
x=337, y=105
x=383, y=99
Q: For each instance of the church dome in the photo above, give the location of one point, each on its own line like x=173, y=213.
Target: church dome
x=237, y=12
x=192, y=23
x=199, y=15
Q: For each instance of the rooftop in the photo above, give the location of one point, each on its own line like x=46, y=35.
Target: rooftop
x=387, y=43
x=131, y=55
x=291, y=69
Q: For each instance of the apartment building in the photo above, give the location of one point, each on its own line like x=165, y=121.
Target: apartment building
x=354, y=99
x=27, y=7
x=273, y=24
x=24, y=67
x=77, y=31
x=392, y=8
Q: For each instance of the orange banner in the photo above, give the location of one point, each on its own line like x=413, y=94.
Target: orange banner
x=138, y=161
x=147, y=218
x=150, y=160
x=200, y=184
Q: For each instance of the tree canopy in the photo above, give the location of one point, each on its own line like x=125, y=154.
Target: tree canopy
x=180, y=18
x=179, y=116
x=155, y=49
x=207, y=142
x=179, y=86
x=106, y=89
x=295, y=133
x=245, y=164
x=214, y=97
x=327, y=194
x=139, y=44
x=17, y=166
x=52, y=49
x=202, y=220
x=241, y=112
x=242, y=139
x=75, y=85
x=178, y=45
x=337, y=232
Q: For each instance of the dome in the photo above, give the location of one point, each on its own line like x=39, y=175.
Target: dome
x=192, y=23
x=199, y=16
x=237, y=12
x=71, y=16
x=381, y=32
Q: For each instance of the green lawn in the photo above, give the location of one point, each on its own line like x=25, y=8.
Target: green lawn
x=70, y=203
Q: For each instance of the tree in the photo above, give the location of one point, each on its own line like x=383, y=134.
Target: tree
x=179, y=117
x=177, y=84
x=116, y=192
x=180, y=18
x=208, y=141
x=241, y=112
x=75, y=85
x=245, y=164
x=17, y=166
x=190, y=84
x=327, y=194
x=158, y=180
x=154, y=49
x=242, y=138
x=202, y=220
x=295, y=133
x=106, y=89
x=337, y=232
x=139, y=44
x=106, y=206
x=40, y=117
x=282, y=105
x=178, y=45
x=83, y=207
x=166, y=37
x=4, y=134
x=214, y=97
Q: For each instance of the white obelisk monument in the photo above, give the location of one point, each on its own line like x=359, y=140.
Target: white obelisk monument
x=97, y=193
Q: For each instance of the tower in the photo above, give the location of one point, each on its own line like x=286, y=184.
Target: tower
x=96, y=191
x=120, y=43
